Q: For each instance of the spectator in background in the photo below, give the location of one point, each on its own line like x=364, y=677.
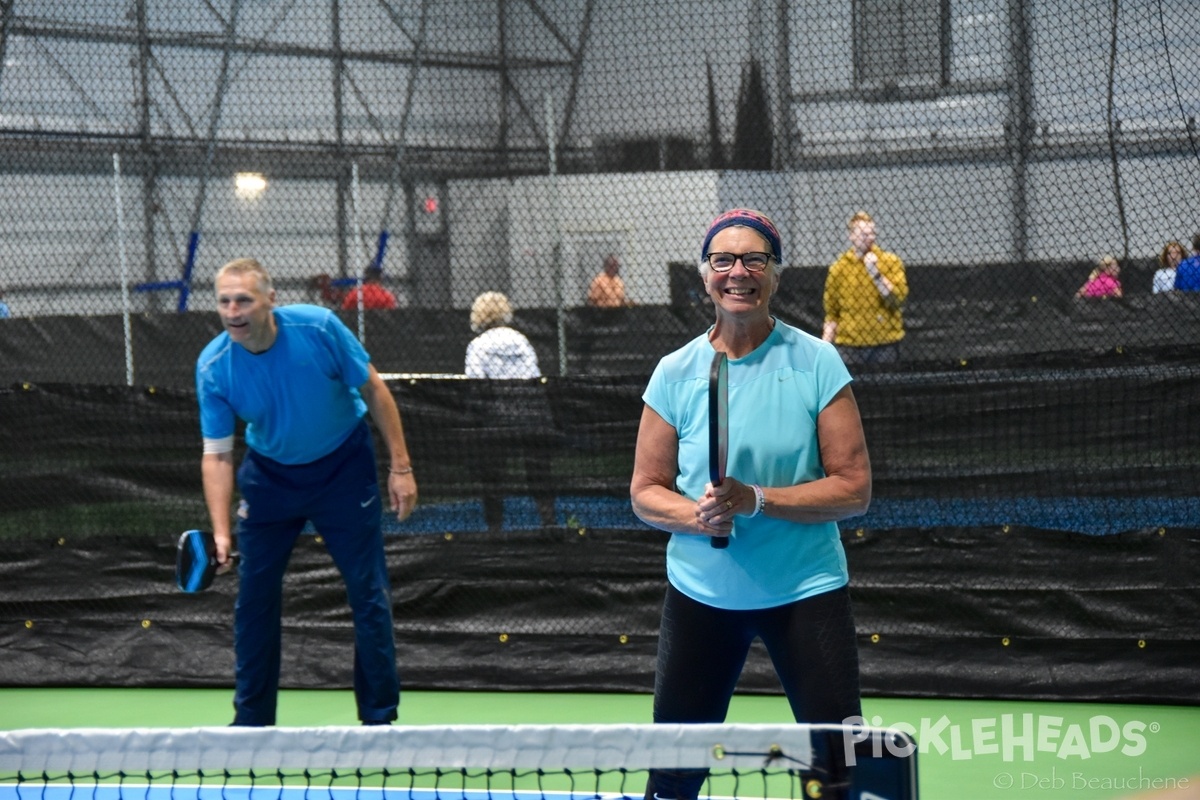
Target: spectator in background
x=1187, y=275
x=1168, y=262
x=865, y=293
x=322, y=292
x=515, y=421
x=5, y=312
x=1104, y=281
x=608, y=289
x=498, y=351
x=374, y=294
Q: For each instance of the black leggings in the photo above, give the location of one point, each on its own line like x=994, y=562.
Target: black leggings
x=701, y=652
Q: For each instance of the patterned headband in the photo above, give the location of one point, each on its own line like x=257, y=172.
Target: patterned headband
x=750, y=219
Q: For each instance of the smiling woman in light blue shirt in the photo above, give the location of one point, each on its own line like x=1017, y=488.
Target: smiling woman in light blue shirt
x=797, y=465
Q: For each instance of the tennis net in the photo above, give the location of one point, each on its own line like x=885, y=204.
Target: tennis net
x=466, y=762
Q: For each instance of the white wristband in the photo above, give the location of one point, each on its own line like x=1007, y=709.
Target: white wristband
x=759, y=500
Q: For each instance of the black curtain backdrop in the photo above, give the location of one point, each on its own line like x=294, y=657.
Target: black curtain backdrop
x=1034, y=534
x=1005, y=313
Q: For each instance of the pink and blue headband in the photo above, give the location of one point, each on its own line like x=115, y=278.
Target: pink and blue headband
x=749, y=218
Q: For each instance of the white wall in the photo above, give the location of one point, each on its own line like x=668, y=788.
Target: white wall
x=656, y=218
x=477, y=215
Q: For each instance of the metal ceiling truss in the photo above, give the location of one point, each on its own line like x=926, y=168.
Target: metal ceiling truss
x=199, y=145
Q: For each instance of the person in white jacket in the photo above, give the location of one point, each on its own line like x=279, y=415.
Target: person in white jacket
x=498, y=351
x=519, y=419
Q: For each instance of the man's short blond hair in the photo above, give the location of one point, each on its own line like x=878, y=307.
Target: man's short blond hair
x=246, y=266
x=859, y=216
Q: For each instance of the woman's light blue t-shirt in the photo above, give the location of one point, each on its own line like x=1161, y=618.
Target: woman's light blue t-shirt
x=775, y=395
x=299, y=398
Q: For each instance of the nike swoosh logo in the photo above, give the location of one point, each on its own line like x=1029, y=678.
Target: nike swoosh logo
x=367, y=502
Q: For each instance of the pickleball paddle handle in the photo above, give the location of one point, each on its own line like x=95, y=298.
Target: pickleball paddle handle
x=718, y=430
x=718, y=542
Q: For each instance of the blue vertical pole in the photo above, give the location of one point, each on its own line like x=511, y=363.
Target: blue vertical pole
x=185, y=285
x=380, y=249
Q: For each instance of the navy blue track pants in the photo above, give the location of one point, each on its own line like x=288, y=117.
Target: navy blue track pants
x=340, y=494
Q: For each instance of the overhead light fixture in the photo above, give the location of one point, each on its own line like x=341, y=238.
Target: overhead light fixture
x=249, y=185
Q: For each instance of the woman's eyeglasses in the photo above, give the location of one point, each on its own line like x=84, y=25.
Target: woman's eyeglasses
x=753, y=262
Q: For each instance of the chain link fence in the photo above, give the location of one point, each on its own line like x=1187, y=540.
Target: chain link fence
x=463, y=146
x=422, y=152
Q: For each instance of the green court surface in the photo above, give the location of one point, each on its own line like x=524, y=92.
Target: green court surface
x=969, y=749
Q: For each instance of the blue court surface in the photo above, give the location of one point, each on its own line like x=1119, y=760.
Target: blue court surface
x=1089, y=515
x=134, y=791
x=889, y=779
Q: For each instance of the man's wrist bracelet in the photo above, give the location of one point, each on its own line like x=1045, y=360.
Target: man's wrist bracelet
x=404, y=471
x=760, y=501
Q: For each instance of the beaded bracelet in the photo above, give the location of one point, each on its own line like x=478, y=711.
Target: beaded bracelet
x=760, y=501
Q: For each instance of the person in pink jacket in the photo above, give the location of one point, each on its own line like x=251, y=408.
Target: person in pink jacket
x=1105, y=280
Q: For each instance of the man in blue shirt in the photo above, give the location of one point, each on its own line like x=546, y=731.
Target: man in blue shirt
x=1187, y=274
x=302, y=384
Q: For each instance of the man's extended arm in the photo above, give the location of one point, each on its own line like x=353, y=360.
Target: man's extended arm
x=402, y=486
x=216, y=470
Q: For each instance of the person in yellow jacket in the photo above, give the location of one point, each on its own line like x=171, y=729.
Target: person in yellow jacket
x=865, y=293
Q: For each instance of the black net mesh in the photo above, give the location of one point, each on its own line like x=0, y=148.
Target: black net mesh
x=1035, y=447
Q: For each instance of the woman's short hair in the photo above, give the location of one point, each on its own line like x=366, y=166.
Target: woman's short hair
x=489, y=310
